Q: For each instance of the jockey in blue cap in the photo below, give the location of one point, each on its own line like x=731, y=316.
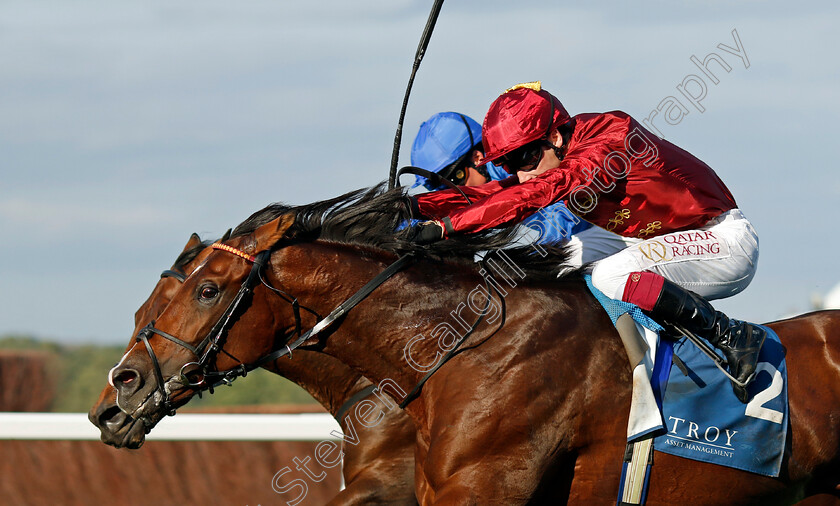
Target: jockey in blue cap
x=449, y=143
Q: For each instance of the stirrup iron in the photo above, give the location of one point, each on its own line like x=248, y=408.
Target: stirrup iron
x=710, y=352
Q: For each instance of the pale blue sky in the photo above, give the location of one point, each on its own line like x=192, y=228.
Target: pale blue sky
x=125, y=126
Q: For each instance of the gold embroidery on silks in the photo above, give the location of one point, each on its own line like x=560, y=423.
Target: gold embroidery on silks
x=620, y=216
x=651, y=228
x=588, y=205
x=655, y=251
x=533, y=85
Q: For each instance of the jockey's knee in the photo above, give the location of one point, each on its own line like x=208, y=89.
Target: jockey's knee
x=609, y=281
x=721, y=289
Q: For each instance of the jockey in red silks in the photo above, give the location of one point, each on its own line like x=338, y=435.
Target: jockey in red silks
x=687, y=241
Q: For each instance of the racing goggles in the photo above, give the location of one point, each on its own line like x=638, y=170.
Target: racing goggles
x=457, y=172
x=524, y=156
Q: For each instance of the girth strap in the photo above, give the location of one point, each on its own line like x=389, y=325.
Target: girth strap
x=635, y=473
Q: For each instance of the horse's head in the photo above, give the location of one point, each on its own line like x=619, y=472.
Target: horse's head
x=184, y=350
x=117, y=428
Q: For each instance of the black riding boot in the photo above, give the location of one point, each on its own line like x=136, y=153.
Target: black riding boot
x=739, y=341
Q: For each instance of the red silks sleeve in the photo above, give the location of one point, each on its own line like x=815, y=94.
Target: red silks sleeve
x=439, y=204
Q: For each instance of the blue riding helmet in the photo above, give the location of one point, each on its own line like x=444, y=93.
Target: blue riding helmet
x=442, y=140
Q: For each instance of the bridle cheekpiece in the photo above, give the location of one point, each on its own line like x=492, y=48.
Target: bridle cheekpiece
x=197, y=373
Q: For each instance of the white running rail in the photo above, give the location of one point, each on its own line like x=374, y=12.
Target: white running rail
x=183, y=427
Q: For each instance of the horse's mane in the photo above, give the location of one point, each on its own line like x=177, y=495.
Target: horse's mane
x=368, y=217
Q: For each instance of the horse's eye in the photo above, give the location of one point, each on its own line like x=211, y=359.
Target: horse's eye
x=208, y=292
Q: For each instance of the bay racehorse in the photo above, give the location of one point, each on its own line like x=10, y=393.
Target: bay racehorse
x=378, y=470
x=534, y=409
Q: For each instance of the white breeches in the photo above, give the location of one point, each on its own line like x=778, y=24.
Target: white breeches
x=715, y=261
x=596, y=243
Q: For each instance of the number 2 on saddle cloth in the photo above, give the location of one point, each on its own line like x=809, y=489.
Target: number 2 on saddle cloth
x=701, y=418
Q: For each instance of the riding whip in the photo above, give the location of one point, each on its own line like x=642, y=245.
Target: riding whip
x=418, y=57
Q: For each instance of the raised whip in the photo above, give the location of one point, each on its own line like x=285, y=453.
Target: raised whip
x=421, y=50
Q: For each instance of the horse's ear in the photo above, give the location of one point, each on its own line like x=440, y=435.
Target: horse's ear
x=269, y=234
x=193, y=242
x=227, y=235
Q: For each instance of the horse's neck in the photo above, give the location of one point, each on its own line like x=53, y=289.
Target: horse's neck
x=327, y=380
x=407, y=318
x=371, y=337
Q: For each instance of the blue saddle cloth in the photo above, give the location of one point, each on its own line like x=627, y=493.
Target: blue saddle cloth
x=703, y=419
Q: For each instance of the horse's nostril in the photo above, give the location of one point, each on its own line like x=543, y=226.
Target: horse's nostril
x=126, y=381
x=125, y=377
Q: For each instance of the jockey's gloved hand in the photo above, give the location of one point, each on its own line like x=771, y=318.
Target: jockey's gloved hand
x=426, y=232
